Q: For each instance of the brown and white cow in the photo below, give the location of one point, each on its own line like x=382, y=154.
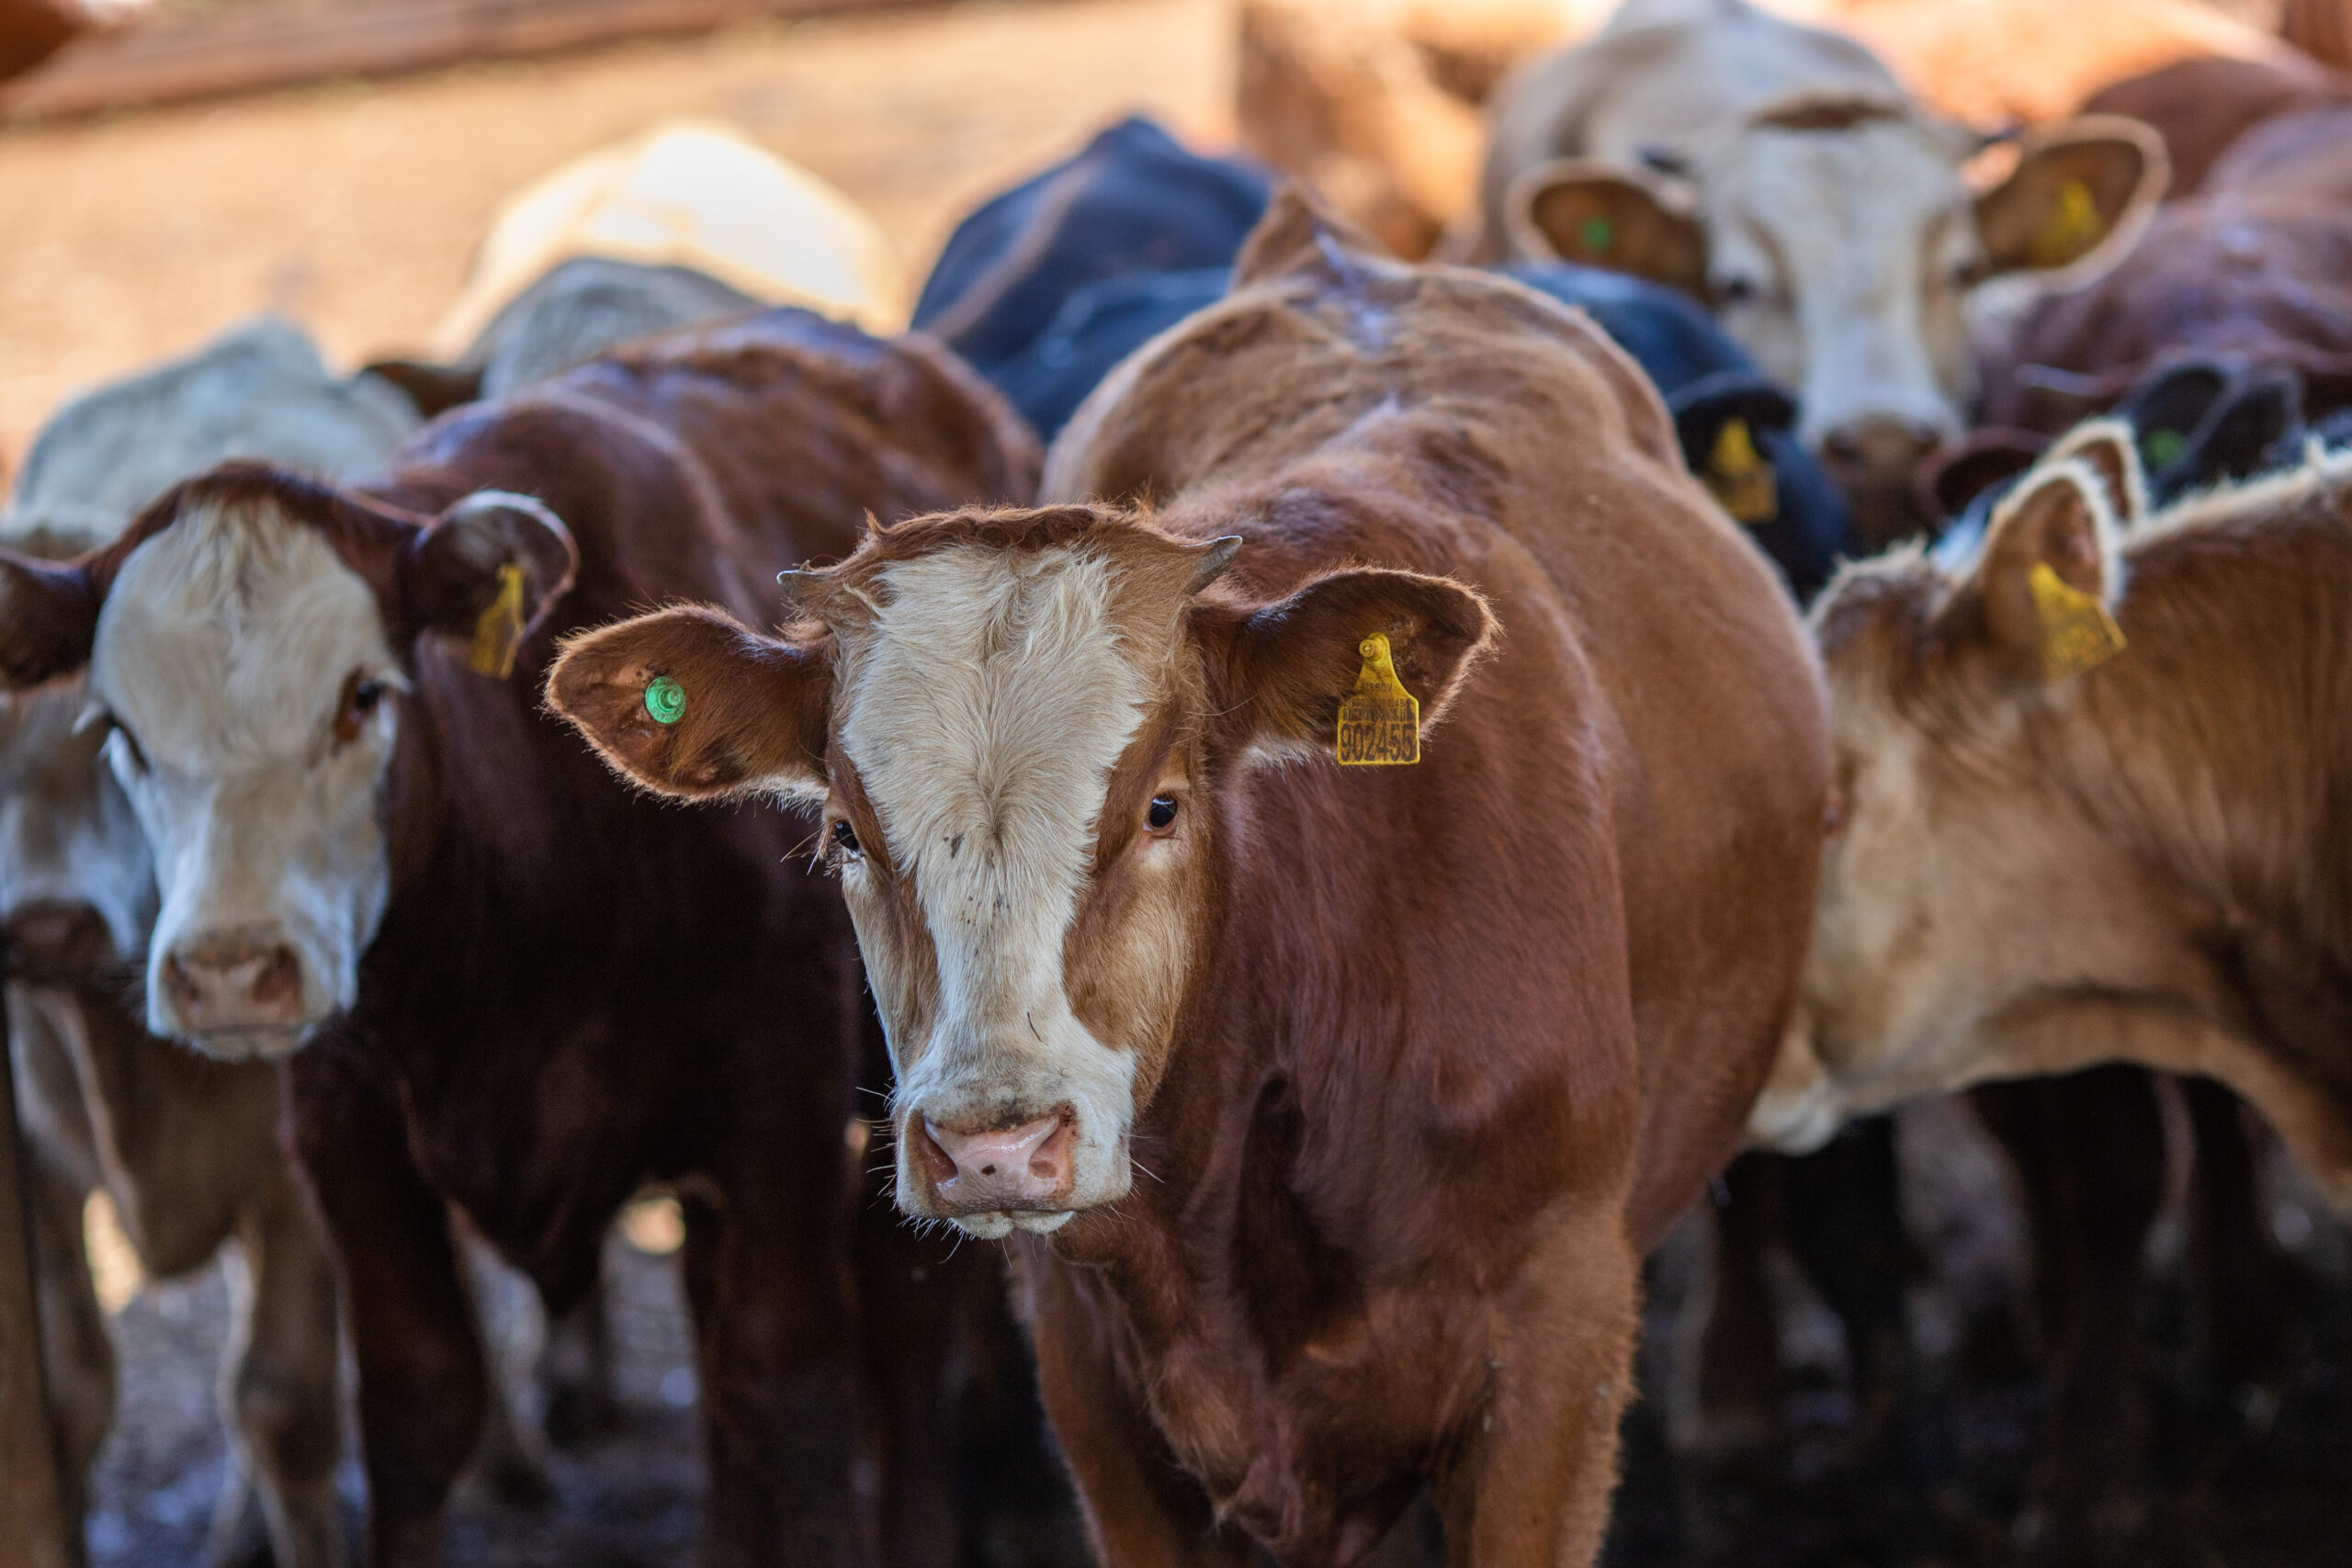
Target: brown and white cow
x=1781, y=173
x=1332, y=1108
x=499, y=977
x=2091, y=801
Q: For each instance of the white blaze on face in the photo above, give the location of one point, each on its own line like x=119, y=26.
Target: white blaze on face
x=223, y=652
x=1842, y=258
x=985, y=707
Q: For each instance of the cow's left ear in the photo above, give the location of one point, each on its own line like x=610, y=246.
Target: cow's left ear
x=689, y=702
x=49, y=618
x=2048, y=575
x=486, y=571
x=2076, y=185
x=1613, y=216
x=1280, y=670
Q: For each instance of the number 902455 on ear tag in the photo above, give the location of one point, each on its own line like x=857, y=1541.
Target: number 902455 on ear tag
x=1380, y=721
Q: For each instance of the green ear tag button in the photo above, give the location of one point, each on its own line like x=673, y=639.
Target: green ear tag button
x=1594, y=233
x=665, y=700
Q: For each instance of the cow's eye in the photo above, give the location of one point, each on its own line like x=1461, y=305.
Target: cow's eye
x=845, y=837
x=362, y=695
x=1161, y=815
x=1968, y=271
x=1736, y=290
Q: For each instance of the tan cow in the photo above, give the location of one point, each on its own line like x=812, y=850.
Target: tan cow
x=1334, y=1106
x=1781, y=173
x=2067, y=840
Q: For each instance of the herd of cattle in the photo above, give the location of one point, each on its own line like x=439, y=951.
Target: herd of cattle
x=1328, y=1111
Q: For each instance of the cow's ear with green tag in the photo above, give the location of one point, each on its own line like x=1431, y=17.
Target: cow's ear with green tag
x=1617, y=217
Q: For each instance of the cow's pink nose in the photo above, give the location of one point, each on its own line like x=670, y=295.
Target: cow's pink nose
x=232, y=984
x=1015, y=1168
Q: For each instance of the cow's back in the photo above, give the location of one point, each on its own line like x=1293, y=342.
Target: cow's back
x=1709, y=734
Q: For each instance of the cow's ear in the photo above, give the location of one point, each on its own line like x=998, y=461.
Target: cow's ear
x=2112, y=451
x=688, y=702
x=486, y=571
x=1280, y=669
x=433, y=388
x=2048, y=575
x=2076, y=185
x=49, y=617
x=1607, y=215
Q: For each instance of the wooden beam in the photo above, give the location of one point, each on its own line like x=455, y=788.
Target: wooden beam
x=32, y=1530
x=175, y=59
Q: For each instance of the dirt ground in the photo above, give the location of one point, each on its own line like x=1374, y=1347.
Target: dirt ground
x=355, y=207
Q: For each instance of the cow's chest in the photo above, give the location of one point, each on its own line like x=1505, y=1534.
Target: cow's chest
x=1309, y=1423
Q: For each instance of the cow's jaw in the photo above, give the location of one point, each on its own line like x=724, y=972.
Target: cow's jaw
x=984, y=707
x=225, y=652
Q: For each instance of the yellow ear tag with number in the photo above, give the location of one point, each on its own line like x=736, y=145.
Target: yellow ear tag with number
x=2073, y=227
x=2078, y=634
x=1380, y=721
x=500, y=631
x=1738, y=476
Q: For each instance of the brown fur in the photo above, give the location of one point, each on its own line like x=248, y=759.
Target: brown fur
x=2202, y=106
x=2264, y=279
x=574, y=991
x=2164, y=832
x=2305, y=156
x=1454, y=1042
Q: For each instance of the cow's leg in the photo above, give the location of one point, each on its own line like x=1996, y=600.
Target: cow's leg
x=1842, y=1212
x=912, y=1293
x=279, y=1384
x=1142, y=1511
x=77, y=1357
x=782, y=1376
x=1530, y=1482
x=423, y=1386
x=2242, y=1287
x=2090, y=1154
x=1737, y=1379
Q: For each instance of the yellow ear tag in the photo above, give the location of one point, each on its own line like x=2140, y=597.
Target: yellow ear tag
x=1738, y=476
x=2071, y=230
x=2078, y=634
x=1380, y=721
x=500, y=631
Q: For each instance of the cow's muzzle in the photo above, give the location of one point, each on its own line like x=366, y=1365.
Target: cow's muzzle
x=234, y=994
x=994, y=1180
x=52, y=942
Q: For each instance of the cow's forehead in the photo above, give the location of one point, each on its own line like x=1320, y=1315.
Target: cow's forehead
x=227, y=637
x=986, y=702
x=1854, y=193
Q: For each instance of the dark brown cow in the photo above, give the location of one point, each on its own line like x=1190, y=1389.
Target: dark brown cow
x=2305, y=156
x=2260, y=280
x=1349, y=1099
x=2201, y=107
x=515, y=982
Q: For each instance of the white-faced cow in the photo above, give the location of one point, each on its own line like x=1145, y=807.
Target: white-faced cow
x=2092, y=806
x=1331, y=1108
x=187, y=1150
x=1781, y=173
x=498, y=976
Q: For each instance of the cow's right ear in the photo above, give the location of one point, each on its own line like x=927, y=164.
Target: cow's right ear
x=2110, y=449
x=689, y=702
x=49, y=617
x=1613, y=215
x=2048, y=577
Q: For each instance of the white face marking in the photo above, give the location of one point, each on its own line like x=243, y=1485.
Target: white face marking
x=1850, y=245
x=985, y=709
x=224, y=651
